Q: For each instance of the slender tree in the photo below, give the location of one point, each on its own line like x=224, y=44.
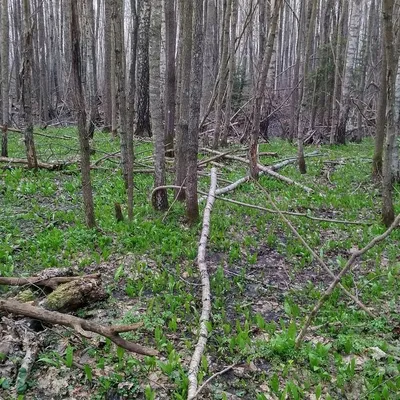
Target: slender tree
x=391, y=70
x=192, y=207
x=80, y=109
x=26, y=79
x=170, y=76
x=255, y=132
x=160, y=199
x=143, y=127
x=5, y=40
x=183, y=124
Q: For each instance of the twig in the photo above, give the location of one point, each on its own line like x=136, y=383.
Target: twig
x=344, y=271
x=213, y=377
x=315, y=255
x=206, y=295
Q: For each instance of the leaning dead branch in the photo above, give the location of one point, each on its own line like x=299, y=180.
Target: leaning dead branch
x=206, y=295
x=315, y=255
x=343, y=272
x=82, y=326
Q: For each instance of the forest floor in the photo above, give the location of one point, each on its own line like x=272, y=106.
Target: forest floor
x=263, y=281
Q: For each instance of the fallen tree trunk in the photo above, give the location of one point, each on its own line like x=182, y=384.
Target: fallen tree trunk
x=51, y=282
x=206, y=294
x=80, y=325
x=75, y=294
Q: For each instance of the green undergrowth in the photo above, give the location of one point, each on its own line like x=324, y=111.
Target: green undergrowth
x=263, y=281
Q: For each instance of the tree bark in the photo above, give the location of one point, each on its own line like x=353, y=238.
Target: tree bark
x=196, y=85
x=170, y=76
x=253, y=150
x=160, y=199
x=5, y=48
x=81, y=113
x=183, y=124
x=26, y=79
x=143, y=126
x=391, y=69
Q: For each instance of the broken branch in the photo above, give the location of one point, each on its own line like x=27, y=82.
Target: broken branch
x=78, y=324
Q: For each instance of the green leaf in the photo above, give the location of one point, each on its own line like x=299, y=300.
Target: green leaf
x=274, y=383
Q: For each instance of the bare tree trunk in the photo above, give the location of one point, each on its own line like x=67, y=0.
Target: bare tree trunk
x=107, y=77
x=267, y=54
x=306, y=51
x=196, y=85
x=351, y=55
x=341, y=38
x=91, y=70
x=5, y=36
x=222, y=75
x=387, y=184
x=132, y=73
x=80, y=110
x=380, y=119
x=170, y=76
x=26, y=79
x=231, y=76
x=183, y=124
x=160, y=199
x=143, y=107
x=44, y=93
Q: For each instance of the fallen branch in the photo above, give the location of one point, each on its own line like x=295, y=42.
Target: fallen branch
x=80, y=325
x=343, y=272
x=56, y=166
x=270, y=170
x=64, y=137
x=51, y=283
x=206, y=300
x=213, y=377
x=315, y=255
x=268, y=210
